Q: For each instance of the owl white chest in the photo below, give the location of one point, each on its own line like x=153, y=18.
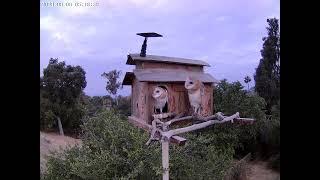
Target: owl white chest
x=160, y=102
x=195, y=97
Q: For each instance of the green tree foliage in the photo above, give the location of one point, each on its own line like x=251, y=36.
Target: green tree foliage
x=60, y=88
x=263, y=137
x=124, y=105
x=267, y=76
x=230, y=98
x=271, y=138
x=247, y=80
x=96, y=104
x=112, y=81
x=47, y=117
x=114, y=149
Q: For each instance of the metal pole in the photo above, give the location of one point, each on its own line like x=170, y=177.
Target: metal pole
x=165, y=158
x=144, y=48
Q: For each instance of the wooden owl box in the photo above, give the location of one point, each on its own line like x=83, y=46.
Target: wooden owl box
x=168, y=74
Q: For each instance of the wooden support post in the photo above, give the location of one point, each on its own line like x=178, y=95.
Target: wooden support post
x=166, y=135
x=60, y=126
x=165, y=158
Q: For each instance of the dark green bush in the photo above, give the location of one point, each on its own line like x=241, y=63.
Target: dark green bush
x=239, y=170
x=263, y=137
x=124, y=105
x=230, y=98
x=114, y=149
x=47, y=117
x=275, y=162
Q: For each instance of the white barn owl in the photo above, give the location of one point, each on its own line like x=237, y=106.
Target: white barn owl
x=195, y=90
x=160, y=96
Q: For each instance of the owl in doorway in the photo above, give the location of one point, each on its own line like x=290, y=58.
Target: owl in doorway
x=160, y=96
x=195, y=90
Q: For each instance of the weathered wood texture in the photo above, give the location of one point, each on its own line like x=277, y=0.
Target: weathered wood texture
x=147, y=127
x=178, y=102
x=165, y=159
x=134, y=58
x=140, y=98
x=156, y=65
x=134, y=99
x=207, y=101
x=169, y=75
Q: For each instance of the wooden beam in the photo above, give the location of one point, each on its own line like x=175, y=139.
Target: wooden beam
x=165, y=159
x=178, y=140
x=163, y=115
x=140, y=124
x=169, y=134
x=173, y=121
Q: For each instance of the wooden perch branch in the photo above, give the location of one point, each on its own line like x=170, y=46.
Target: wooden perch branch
x=178, y=119
x=218, y=116
x=160, y=129
x=163, y=115
x=154, y=130
x=173, y=132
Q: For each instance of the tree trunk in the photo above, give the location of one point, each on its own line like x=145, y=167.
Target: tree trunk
x=116, y=98
x=60, y=126
x=165, y=159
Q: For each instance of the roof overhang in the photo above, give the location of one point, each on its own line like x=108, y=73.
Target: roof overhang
x=128, y=78
x=160, y=75
x=133, y=58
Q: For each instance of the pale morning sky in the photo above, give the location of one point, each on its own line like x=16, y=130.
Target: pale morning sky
x=225, y=33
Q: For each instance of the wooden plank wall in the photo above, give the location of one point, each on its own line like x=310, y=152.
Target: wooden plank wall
x=134, y=98
x=140, y=99
x=178, y=99
x=153, y=65
x=207, y=101
x=143, y=103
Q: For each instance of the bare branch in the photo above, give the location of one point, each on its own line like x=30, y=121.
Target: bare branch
x=173, y=132
x=244, y=119
x=154, y=130
x=178, y=119
x=162, y=127
x=163, y=115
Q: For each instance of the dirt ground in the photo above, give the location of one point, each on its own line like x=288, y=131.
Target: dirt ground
x=260, y=171
x=52, y=142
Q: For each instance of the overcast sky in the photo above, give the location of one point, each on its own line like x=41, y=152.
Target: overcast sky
x=225, y=33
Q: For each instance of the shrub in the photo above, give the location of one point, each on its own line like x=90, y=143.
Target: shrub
x=263, y=137
x=230, y=98
x=275, y=162
x=47, y=118
x=124, y=105
x=114, y=149
x=240, y=170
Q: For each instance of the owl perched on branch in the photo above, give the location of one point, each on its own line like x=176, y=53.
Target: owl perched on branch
x=160, y=96
x=195, y=90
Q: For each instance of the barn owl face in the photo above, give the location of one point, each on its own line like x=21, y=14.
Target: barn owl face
x=157, y=92
x=190, y=83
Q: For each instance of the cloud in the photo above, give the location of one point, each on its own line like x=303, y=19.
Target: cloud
x=225, y=33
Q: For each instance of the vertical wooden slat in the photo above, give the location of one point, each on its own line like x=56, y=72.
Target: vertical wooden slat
x=165, y=159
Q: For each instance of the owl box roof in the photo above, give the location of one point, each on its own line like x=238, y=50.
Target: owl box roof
x=165, y=75
x=133, y=58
